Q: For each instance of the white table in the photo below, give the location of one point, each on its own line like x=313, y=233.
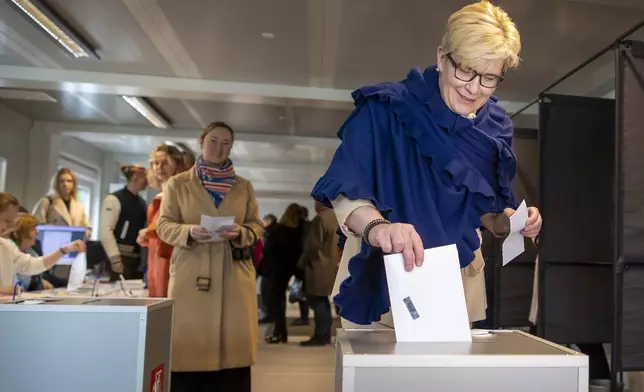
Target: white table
x=112, y=290
x=370, y=360
x=76, y=344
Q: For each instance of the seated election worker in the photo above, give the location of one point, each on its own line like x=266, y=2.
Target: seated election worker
x=426, y=161
x=24, y=236
x=12, y=260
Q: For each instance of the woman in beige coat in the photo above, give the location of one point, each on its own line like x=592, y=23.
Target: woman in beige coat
x=212, y=278
x=61, y=207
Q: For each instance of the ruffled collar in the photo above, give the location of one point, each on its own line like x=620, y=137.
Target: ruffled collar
x=425, y=87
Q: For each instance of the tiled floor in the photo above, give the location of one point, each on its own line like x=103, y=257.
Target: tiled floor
x=291, y=368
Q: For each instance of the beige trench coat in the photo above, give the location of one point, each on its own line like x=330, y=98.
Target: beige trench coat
x=319, y=256
x=215, y=329
x=56, y=213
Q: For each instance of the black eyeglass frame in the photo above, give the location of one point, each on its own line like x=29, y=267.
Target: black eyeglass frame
x=457, y=66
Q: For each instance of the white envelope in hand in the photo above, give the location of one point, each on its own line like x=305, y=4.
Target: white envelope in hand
x=428, y=303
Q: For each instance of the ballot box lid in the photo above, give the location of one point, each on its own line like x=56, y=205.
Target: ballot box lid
x=87, y=304
x=378, y=347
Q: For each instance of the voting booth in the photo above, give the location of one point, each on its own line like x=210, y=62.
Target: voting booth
x=79, y=344
x=371, y=360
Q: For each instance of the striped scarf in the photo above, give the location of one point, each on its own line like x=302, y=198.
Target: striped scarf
x=217, y=180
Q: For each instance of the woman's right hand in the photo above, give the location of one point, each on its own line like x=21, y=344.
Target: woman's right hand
x=76, y=246
x=200, y=234
x=399, y=238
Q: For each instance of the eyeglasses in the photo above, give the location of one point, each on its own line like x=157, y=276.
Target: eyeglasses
x=468, y=74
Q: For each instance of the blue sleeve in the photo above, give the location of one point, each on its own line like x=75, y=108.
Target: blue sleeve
x=353, y=172
x=356, y=171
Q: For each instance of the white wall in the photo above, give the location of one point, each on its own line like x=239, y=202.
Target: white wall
x=44, y=152
x=278, y=206
x=14, y=145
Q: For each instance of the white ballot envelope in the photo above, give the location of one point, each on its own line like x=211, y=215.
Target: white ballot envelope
x=77, y=272
x=428, y=303
x=216, y=225
x=514, y=245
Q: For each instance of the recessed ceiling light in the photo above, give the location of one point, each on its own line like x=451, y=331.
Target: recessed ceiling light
x=26, y=95
x=147, y=111
x=281, y=118
x=268, y=35
x=50, y=22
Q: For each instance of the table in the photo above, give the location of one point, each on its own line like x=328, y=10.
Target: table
x=79, y=344
x=370, y=360
x=112, y=290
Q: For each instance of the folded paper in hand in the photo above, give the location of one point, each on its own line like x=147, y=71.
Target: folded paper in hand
x=514, y=244
x=428, y=303
x=77, y=272
x=217, y=225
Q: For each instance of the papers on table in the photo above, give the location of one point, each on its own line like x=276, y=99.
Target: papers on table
x=428, y=303
x=513, y=245
x=77, y=272
x=216, y=225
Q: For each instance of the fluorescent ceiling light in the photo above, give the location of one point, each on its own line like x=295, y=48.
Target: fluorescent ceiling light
x=47, y=19
x=147, y=111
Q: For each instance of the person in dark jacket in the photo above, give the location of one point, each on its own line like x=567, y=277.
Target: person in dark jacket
x=263, y=296
x=302, y=303
x=122, y=217
x=281, y=253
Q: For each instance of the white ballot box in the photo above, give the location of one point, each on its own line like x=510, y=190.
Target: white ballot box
x=370, y=360
x=76, y=344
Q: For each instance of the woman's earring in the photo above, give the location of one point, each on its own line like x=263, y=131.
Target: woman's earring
x=438, y=69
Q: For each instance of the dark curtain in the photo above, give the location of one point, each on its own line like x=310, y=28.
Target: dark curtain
x=577, y=161
x=630, y=214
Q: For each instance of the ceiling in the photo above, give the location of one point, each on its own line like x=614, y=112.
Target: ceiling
x=198, y=61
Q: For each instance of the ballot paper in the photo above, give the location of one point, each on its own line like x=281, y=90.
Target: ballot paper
x=217, y=225
x=513, y=245
x=77, y=272
x=428, y=303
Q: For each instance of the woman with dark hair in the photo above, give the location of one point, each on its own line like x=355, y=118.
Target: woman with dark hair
x=122, y=217
x=281, y=252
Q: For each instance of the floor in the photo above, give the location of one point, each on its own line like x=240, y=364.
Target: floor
x=291, y=368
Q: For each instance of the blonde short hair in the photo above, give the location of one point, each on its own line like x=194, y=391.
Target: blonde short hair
x=482, y=32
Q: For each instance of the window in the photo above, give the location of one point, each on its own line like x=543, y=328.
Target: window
x=3, y=174
x=84, y=197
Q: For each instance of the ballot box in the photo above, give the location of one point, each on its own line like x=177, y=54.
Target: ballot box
x=370, y=360
x=76, y=344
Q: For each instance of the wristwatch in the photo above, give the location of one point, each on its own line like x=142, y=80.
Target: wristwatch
x=63, y=251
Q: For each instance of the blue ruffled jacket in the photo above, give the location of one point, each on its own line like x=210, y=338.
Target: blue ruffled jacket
x=420, y=163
